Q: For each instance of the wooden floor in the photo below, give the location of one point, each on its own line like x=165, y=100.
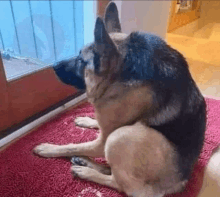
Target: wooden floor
x=203, y=56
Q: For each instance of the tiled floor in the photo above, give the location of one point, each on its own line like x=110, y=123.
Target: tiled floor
x=203, y=56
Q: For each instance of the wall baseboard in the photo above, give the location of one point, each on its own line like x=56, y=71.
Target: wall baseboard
x=211, y=97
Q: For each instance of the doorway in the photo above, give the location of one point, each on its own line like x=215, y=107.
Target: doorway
x=199, y=41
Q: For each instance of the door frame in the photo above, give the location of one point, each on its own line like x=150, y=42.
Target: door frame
x=180, y=19
x=27, y=96
x=24, y=99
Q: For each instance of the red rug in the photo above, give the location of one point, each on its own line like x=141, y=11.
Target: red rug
x=23, y=174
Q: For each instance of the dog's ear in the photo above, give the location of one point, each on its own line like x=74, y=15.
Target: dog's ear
x=111, y=18
x=106, y=53
x=103, y=43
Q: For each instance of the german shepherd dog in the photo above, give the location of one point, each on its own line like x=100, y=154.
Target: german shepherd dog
x=150, y=112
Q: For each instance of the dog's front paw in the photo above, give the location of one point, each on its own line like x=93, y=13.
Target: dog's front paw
x=86, y=122
x=47, y=150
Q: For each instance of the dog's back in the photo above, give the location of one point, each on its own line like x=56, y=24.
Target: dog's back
x=179, y=110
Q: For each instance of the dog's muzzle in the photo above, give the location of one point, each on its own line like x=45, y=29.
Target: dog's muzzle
x=69, y=72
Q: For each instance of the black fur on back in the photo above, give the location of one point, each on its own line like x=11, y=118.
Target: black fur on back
x=149, y=60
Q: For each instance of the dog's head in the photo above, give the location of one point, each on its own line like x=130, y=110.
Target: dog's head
x=116, y=59
x=98, y=61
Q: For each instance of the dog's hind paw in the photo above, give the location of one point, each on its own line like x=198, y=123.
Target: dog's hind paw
x=87, y=162
x=84, y=172
x=86, y=122
x=81, y=172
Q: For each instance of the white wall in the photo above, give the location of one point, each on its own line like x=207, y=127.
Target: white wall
x=151, y=16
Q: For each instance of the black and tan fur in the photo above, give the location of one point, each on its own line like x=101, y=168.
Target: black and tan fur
x=150, y=112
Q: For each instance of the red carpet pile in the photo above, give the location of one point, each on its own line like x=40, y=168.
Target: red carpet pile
x=23, y=174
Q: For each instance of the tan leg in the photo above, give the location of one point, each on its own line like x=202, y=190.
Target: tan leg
x=86, y=122
x=92, y=149
x=127, y=166
x=141, y=161
x=136, y=188
x=129, y=159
